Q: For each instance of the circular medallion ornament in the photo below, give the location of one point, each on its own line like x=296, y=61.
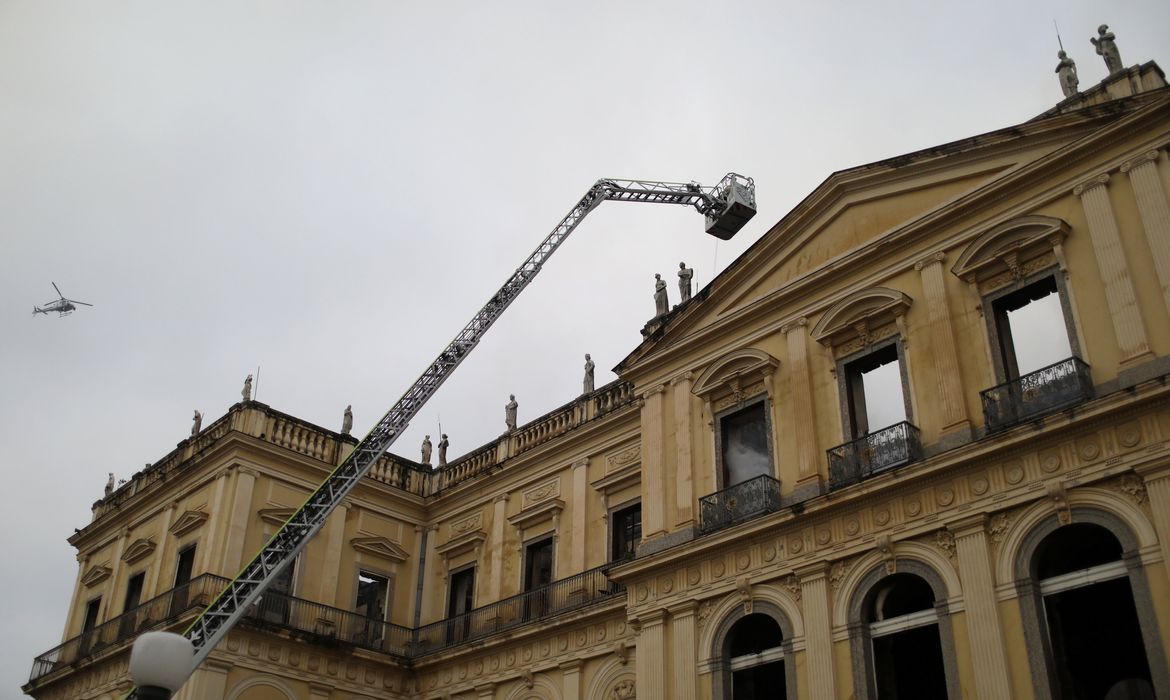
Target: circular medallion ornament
x=1089, y=450
x=666, y=584
x=945, y=496
x=643, y=592
x=1130, y=435
x=717, y=568
x=1014, y=474
x=1050, y=462
x=694, y=576
x=823, y=536
x=882, y=516
x=979, y=485
x=599, y=633
x=913, y=507
x=852, y=526
x=795, y=546
x=742, y=561
x=768, y=554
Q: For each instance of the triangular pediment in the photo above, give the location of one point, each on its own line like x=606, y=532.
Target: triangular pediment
x=187, y=522
x=138, y=550
x=380, y=547
x=95, y=575
x=276, y=516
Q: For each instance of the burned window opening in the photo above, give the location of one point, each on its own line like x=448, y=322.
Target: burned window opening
x=745, y=447
x=1031, y=328
x=875, y=397
x=907, y=649
x=755, y=657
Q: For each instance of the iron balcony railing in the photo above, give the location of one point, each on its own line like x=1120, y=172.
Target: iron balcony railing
x=156, y=612
x=1049, y=389
x=871, y=454
x=737, y=503
x=328, y=625
x=573, y=593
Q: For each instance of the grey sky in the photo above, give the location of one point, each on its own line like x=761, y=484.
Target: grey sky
x=330, y=190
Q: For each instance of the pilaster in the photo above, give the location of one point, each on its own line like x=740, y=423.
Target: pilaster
x=154, y=571
x=817, y=631
x=115, y=585
x=653, y=463
x=241, y=511
x=684, y=473
x=571, y=680
x=579, y=505
x=652, y=658
x=1157, y=483
x=983, y=625
x=945, y=356
x=210, y=544
x=75, y=607
x=683, y=640
x=1155, y=213
x=327, y=590
x=1119, y=292
x=804, y=415
x=499, y=520
x=208, y=681
x=319, y=691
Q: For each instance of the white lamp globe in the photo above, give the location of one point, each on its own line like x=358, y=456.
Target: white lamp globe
x=161, y=660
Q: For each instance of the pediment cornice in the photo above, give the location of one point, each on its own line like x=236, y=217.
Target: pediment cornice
x=187, y=522
x=139, y=549
x=379, y=547
x=95, y=575
x=278, y=515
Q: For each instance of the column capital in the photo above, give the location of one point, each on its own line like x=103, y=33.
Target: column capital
x=572, y=665
x=812, y=572
x=651, y=618
x=686, y=608
x=583, y=462
x=684, y=377
x=1147, y=157
x=502, y=497
x=792, y=325
x=247, y=470
x=975, y=524
x=1153, y=472
x=936, y=258
x=653, y=391
x=1090, y=184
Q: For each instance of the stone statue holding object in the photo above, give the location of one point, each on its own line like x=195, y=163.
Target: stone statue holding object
x=1066, y=72
x=246, y=392
x=110, y=485
x=426, y=450
x=661, y=302
x=684, y=282
x=443, y=450
x=347, y=420
x=196, y=423
x=1107, y=48
x=510, y=412
x=587, y=384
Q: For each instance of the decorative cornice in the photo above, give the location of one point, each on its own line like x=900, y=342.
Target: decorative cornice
x=1091, y=183
x=276, y=516
x=471, y=541
x=684, y=377
x=1147, y=157
x=188, y=521
x=380, y=546
x=548, y=510
x=138, y=550
x=95, y=575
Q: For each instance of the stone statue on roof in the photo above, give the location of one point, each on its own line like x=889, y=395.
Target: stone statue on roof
x=684, y=282
x=443, y=450
x=661, y=302
x=1107, y=48
x=510, y=412
x=110, y=485
x=587, y=383
x=426, y=450
x=347, y=420
x=196, y=423
x=246, y=392
x=1066, y=72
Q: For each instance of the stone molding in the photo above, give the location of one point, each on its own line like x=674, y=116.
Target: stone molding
x=187, y=522
x=1091, y=184
x=380, y=547
x=138, y=550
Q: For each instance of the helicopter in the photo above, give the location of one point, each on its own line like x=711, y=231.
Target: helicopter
x=62, y=306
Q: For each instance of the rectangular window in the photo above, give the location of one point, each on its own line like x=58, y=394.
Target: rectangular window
x=744, y=444
x=373, y=594
x=538, y=572
x=1031, y=329
x=873, y=387
x=181, y=594
x=626, y=532
x=460, y=599
x=275, y=605
x=91, y=614
x=133, y=592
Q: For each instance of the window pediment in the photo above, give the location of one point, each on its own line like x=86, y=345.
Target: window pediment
x=467, y=542
x=139, y=549
x=95, y=575
x=1013, y=249
x=546, y=510
x=276, y=516
x=737, y=373
x=860, y=315
x=380, y=547
x=188, y=521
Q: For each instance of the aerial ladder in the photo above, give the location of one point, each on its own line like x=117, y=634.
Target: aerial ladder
x=727, y=206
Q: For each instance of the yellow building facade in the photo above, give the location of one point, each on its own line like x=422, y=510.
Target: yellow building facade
x=915, y=442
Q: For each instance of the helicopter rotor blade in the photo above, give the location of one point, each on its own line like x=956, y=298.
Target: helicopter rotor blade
x=58, y=290
x=74, y=301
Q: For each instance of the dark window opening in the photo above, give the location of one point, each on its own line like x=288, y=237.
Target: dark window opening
x=133, y=592
x=627, y=532
x=460, y=599
x=1094, y=630
x=274, y=605
x=907, y=650
x=91, y=614
x=372, y=598
x=744, y=445
x=874, y=391
x=755, y=658
x=1031, y=328
x=183, y=570
x=538, y=572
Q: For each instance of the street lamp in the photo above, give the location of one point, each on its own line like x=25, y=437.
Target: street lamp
x=159, y=663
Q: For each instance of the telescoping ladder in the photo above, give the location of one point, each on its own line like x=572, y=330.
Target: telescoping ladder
x=728, y=206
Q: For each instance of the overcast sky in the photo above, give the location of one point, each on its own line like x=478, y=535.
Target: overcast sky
x=330, y=190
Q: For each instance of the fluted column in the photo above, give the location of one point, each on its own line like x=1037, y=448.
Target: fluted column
x=808, y=456
x=1119, y=292
x=983, y=626
x=1156, y=480
x=1154, y=211
x=684, y=474
x=580, y=505
x=241, y=512
x=817, y=631
x=499, y=520
x=571, y=680
x=328, y=588
x=682, y=634
x=945, y=356
x=652, y=659
x=653, y=463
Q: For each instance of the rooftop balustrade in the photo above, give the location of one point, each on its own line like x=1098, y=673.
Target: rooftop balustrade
x=1049, y=389
x=739, y=502
x=880, y=451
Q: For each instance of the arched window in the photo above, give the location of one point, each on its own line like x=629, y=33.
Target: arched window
x=1093, y=632
x=903, y=631
x=752, y=655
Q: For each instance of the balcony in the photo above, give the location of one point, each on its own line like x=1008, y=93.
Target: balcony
x=735, y=504
x=1039, y=393
x=877, y=452
x=574, y=593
